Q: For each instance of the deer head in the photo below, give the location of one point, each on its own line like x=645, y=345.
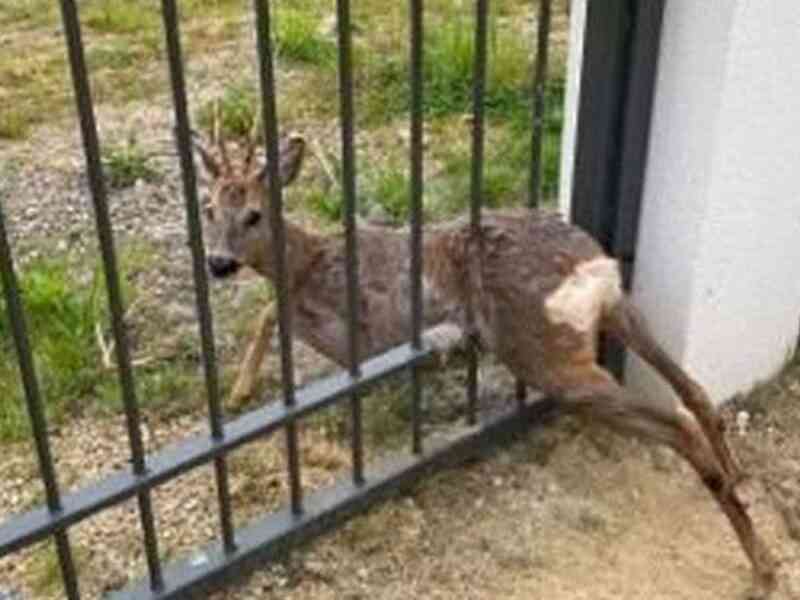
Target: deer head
x=236, y=231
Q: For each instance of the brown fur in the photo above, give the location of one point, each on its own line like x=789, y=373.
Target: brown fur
x=530, y=279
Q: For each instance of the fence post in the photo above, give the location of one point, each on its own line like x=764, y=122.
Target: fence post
x=620, y=59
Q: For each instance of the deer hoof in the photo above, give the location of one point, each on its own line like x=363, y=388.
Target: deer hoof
x=763, y=586
x=765, y=579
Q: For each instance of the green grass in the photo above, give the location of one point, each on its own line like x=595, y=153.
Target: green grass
x=506, y=167
x=45, y=569
x=15, y=124
x=385, y=197
x=60, y=318
x=120, y=16
x=236, y=108
x=127, y=163
x=297, y=38
x=448, y=74
x=63, y=303
x=28, y=13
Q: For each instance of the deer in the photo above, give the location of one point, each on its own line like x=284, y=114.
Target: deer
x=532, y=289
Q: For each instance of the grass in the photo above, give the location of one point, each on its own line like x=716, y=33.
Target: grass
x=28, y=14
x=298, y=39
x=123, y=42
x=386, y=195
x=63, y=303
x=119, y=17
x=45, y=568
x=448, y=74
x=61, y=325
x=236, y=109
x=127, y=163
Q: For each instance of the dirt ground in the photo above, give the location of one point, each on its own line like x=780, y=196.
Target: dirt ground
x=569, y=512
x=572, y=512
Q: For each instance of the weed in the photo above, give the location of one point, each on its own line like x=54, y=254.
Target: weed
x=326, y=204
x=235, y=109
x=61, y=324
x=45, y=569
x=63, y=304
x=127, y=163
x=298, y=39
x=15, y=123
x=386, y=196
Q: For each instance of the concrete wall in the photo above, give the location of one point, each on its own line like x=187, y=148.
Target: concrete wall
x=718, y=263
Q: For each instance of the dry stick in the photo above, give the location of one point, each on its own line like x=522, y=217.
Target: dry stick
x=107, y=349
x=319, y=154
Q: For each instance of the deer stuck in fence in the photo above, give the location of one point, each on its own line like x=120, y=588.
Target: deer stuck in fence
x=541, y=292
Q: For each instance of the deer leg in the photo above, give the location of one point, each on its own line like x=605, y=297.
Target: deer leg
x=627, y=324
x=595, y=394
x=250, y=368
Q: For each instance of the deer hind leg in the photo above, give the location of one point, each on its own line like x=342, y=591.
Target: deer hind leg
x=595, y=394
x=250, y=368
x=627, y=324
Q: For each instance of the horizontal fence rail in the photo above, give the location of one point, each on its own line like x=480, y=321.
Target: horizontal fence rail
x=196, y=451
x=305, y=516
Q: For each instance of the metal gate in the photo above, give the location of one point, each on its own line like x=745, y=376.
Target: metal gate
x=609, y=137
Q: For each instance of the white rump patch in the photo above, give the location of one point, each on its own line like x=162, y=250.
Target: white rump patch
x=581, y=298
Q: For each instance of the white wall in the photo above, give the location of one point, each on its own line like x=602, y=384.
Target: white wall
x=574, y=64
x=718, y=263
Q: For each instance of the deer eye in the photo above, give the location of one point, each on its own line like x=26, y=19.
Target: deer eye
x=252, y=218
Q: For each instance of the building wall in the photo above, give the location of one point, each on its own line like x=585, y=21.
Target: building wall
x=718, y=261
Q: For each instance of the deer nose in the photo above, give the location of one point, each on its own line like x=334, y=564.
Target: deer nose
x=222, y=266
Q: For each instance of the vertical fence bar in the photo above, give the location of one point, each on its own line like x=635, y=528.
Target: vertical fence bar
x=91, y=148
x=33, y=401
x=417, y=39
x=183, y=139
x=275, y=208
x=478, y=88
x=351, y=238
x=537, y=129
x=539, y=86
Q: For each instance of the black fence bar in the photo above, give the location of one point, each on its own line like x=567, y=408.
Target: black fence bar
x=476, y=198
x=417, y=38
x=33, y=402
x=344, y=35
x=619, y=68
x=91, y=147
x=179, y=458
x=275, y=208
x=539, y=86
x=537, y=129
x=273, y=534
x=183, y=139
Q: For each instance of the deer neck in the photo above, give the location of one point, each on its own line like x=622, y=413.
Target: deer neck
x=302, y=249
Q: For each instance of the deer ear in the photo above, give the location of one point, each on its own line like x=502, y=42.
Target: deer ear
x=210, y=163
x=291, y=151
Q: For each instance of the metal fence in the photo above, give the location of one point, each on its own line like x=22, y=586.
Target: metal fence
x=306, y=515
